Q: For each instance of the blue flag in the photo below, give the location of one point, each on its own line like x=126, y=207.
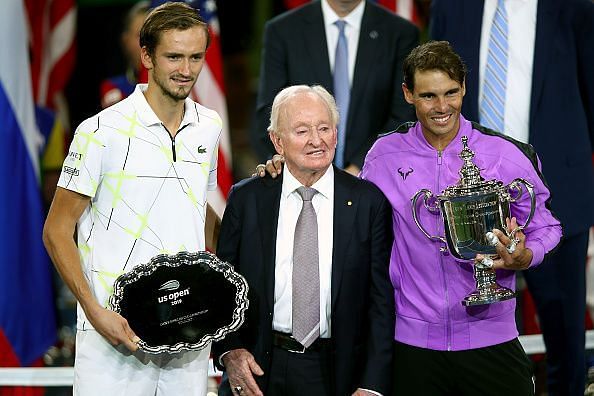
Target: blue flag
x=27, y=316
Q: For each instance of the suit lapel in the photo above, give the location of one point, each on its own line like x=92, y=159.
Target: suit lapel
x=546, y=26
x=345, y=209
x=313, y=33
x=370, y=39
x=267, y=210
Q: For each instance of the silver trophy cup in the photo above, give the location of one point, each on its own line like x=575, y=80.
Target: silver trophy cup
x=471, y=209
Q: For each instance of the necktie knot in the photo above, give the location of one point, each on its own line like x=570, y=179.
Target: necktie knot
x=306, y=193
x=340, y=24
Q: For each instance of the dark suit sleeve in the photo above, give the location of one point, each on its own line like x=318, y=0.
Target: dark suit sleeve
x=228, y=250
x=273, y=77
x=400, y=111
x=381, y=313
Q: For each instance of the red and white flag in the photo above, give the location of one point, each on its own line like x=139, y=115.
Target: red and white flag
x=52, y=55
x=210, y=92
x=52, y=32
x=407, y=9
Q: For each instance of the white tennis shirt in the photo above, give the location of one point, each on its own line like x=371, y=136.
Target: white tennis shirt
x=148, y=190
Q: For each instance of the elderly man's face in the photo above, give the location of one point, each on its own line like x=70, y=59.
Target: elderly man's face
x=306, y=136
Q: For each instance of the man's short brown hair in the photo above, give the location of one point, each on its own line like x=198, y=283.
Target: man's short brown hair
x=433, y=55
x=169, y=16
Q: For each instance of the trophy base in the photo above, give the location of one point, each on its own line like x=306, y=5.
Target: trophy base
x=493, y=294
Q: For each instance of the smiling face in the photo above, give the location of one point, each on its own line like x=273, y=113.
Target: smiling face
x=438, y=101
x=176, y=62
x=306, y=136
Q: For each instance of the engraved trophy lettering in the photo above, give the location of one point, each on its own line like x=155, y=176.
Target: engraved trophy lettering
x=470, y=210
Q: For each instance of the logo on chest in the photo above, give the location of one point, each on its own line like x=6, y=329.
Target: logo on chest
x=405, y=172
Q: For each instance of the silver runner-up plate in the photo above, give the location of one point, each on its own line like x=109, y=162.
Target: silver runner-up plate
x=181, y=302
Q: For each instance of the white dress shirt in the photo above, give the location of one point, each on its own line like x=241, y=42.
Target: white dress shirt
x=351, y=31
x=288, y=212
x=521, y=17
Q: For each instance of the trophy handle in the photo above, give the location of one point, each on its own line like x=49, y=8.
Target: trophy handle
x=431, y=208
x=516, y=186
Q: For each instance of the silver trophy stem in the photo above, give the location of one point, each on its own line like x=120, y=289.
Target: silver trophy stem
x=487, y=289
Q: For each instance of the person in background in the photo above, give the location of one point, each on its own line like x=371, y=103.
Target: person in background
x=354, y=49
x=545, y=97
x=134, y=186
x=116, y=88
x=314, y=246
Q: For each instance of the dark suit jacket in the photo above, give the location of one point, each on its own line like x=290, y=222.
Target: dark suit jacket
x=295, y=52
x=562, y=102
x=362, y=297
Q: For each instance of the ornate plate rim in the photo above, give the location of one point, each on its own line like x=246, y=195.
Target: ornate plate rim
x=176, y=260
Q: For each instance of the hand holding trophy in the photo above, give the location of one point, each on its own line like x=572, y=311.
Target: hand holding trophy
x=471, y=210
x=512, y=253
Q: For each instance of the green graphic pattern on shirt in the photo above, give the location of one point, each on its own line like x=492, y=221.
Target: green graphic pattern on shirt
x=129, y=166
x=130, y=132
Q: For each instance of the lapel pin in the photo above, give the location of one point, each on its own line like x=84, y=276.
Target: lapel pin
x=349, y=203
x=374, y=34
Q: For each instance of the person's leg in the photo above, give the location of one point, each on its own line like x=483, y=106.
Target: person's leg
x=184, y=373
x=101, y=369
x=277, y=376
x=421, y=372
x=502, y=369
x=558, y=287
x=294, y=374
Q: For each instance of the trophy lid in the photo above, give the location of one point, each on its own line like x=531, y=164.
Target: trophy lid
x=471, y=181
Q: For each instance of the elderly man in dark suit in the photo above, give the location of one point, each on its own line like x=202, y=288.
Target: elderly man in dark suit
x=314, y=246
x=303, y=46
x=549, y=103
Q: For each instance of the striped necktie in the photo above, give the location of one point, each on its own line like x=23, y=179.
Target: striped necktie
x=342, y=90
x=492, y=107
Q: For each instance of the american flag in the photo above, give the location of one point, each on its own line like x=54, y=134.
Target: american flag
x=52, y=54
x=52, y=32
x=210, y=92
